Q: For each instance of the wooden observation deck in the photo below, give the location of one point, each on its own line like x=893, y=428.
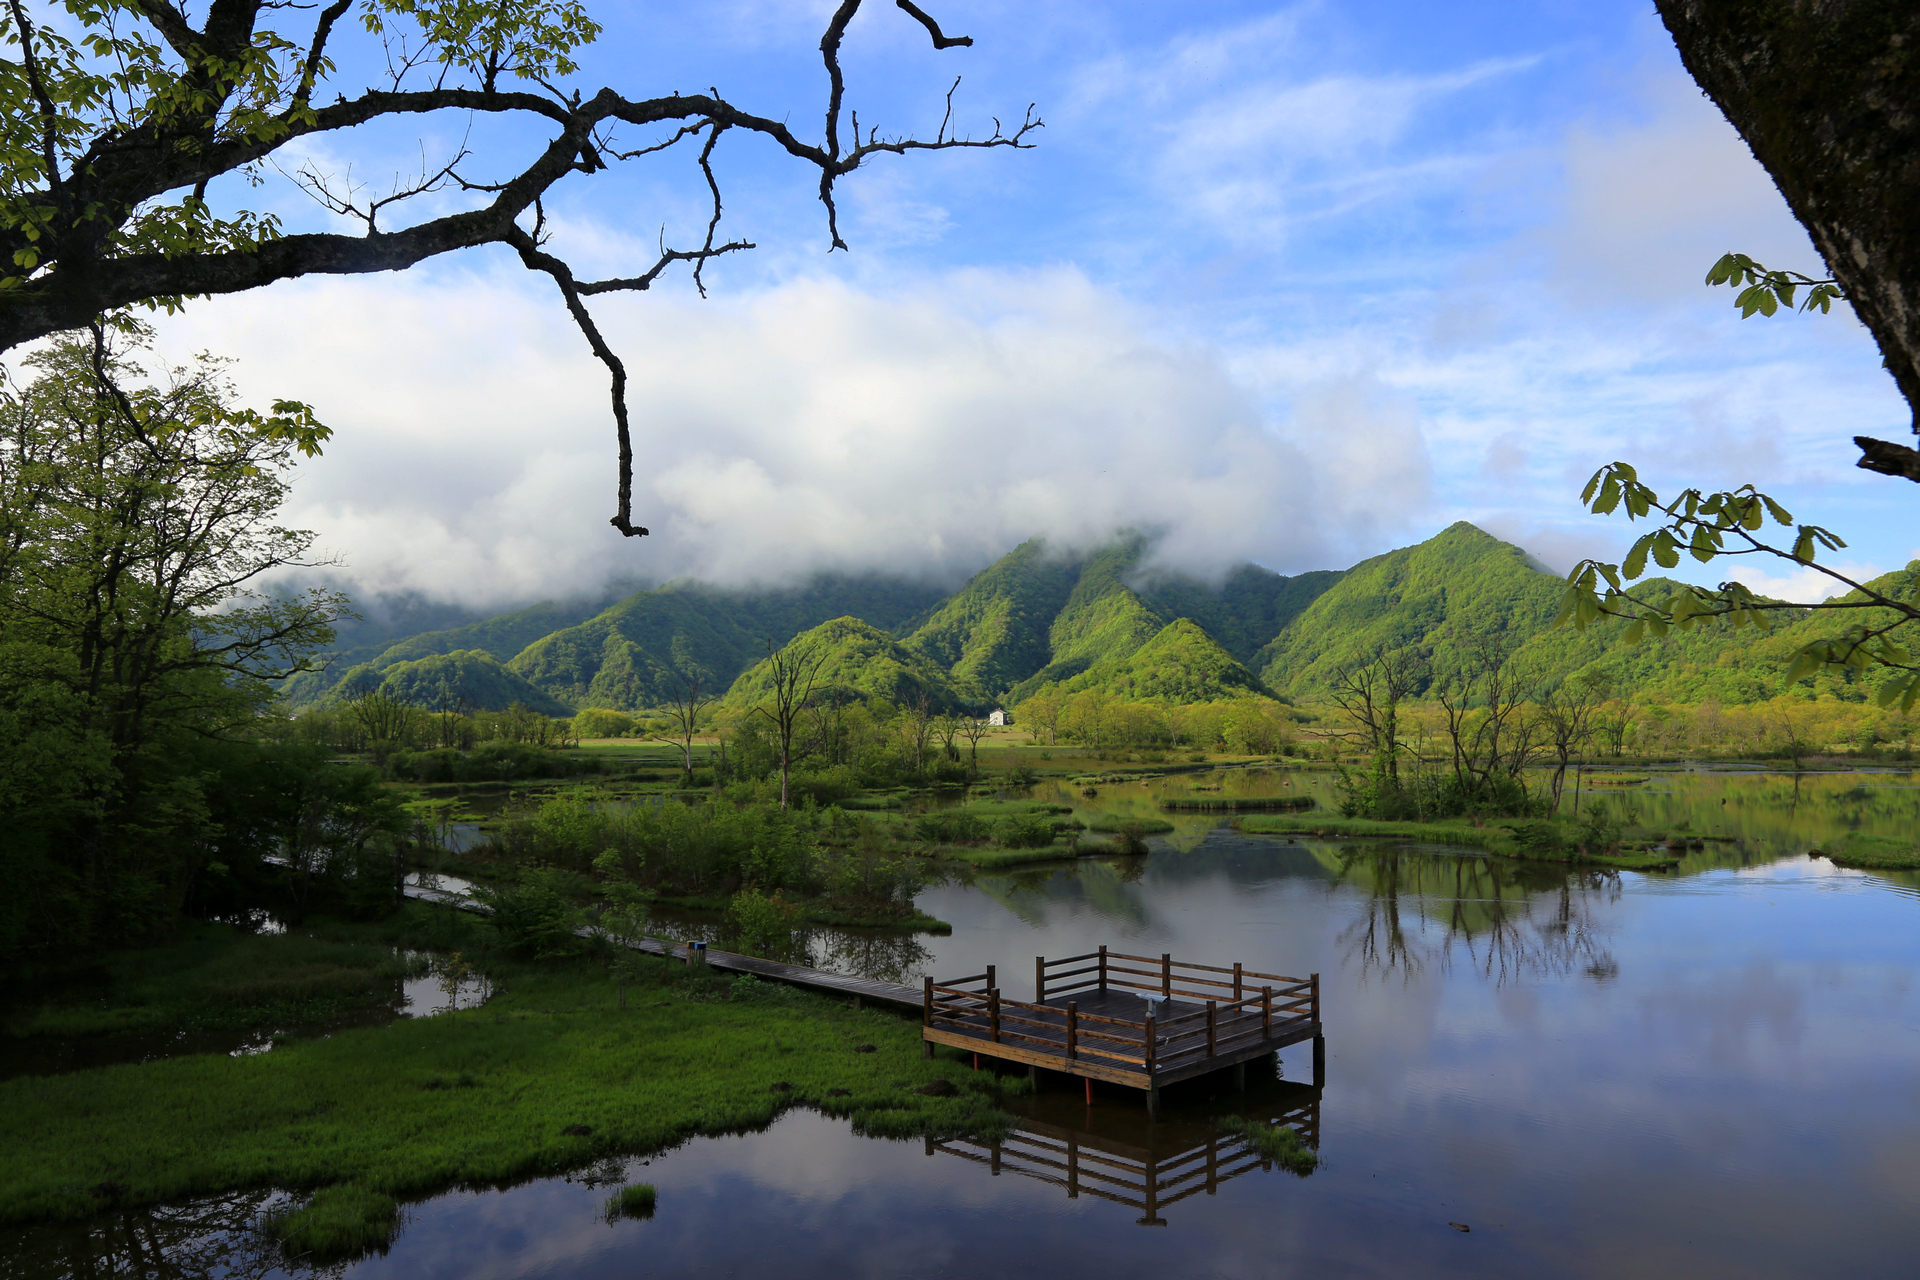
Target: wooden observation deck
x=1128, y=1020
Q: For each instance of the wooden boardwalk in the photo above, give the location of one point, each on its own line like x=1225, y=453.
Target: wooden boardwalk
x=1157, y=1168
x=1128, y=1020
x=858, y=989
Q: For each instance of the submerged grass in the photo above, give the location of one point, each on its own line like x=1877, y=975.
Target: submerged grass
x=553, y=1075
x=1143, y=826
x=1275, y=1142
x=336, y=1223
x=633, y=1201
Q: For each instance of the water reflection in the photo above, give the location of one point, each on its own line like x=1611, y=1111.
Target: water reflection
x=1115, y=1153
x=1504, y=920
x=220, y=1236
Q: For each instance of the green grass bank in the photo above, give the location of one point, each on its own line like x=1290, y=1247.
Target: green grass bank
x=1493, y=838
x=548, y=1075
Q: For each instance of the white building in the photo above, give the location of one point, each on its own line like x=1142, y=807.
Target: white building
x=999, y=717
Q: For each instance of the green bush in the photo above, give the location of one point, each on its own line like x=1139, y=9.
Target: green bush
x=536, y=917
x=1032, y=831
x=951, y=826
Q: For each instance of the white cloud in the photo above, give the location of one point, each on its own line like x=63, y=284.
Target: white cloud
x=1805, y=584
x=809, y=427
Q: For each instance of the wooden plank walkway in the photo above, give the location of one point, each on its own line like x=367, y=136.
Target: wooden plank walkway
x=858, y=989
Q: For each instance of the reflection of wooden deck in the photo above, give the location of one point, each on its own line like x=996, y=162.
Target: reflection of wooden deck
x=1148, y=1178
x=1093, y=1021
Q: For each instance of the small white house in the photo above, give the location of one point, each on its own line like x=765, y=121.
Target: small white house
x=999, y=717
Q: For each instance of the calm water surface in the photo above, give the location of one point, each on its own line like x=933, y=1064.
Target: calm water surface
x=1703, y=1074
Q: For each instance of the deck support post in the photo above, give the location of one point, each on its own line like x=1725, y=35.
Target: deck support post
x=1153, y=1108
x=1033, y=1077
x=1073, y=1030
x=926, y=1048
x=991, y=984
x=1240, y=1076
x=1314, y=997
x=993, y=1011
x=1319, y=1062
x=1103, y=966
x=1212, y=1035
x=1266, y=1012
x=1237, y=993
x=1166, y=974
x=1039, y=979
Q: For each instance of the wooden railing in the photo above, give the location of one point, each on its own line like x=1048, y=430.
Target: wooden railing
x=1234, y=1013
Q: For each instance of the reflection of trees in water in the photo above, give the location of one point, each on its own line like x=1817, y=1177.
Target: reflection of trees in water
x=219, y=1236
x=893, y=957
x=1506, y=920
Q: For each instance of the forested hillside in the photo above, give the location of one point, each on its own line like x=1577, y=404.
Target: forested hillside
x=1041, y=617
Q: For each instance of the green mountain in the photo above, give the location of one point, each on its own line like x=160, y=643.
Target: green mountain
x=995, y=631
x=1093, y=620
x=361, y=666
x=1424, y=597
x=622, y=657
x=469, y=675
x=1182, y=663
x=1244, y=612
x=855, y=660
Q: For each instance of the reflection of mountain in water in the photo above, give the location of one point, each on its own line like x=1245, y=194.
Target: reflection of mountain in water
x=1115, y=1153
x=1507, y=919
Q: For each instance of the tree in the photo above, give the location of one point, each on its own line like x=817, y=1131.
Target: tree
x=973, y=731
x=383, y=718
x=120, y=138
x=688, y=700
x=1566, y=717
x=1043, y=710
x=1371, y=695
x=792, y=677
x=135, y=517
x=1826, y=96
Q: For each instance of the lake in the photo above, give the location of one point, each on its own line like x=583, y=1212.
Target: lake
x=1710, y=1072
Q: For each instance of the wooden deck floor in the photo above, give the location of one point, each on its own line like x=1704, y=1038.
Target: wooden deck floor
x=1042, y=1039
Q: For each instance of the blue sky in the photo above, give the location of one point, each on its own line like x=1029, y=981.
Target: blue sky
x=1292, y=283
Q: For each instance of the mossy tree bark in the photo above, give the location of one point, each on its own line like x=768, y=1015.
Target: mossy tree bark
x=1825, y=93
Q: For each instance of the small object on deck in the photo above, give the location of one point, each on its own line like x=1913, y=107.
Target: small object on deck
x=696, y=953
x=1154, y=1001
x=1460, y=1226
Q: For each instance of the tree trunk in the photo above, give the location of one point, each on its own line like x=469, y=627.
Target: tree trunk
x=1825, y=93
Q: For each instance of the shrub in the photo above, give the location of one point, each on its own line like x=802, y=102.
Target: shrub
x=1026, y=831
x=951, y=826
x=535, y=917
x=762, y=925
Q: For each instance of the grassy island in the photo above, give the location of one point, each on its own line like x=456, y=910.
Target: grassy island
x=549, y=1074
